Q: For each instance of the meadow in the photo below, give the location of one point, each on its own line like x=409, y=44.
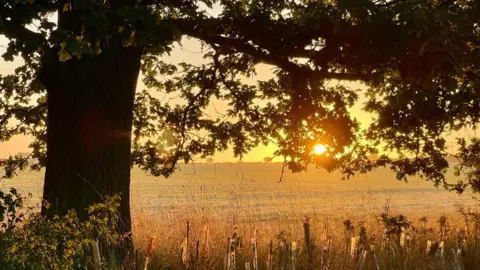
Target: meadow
x=253, y=191
x=246, y=202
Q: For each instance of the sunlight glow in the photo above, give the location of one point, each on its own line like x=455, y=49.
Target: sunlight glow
x=319, y=149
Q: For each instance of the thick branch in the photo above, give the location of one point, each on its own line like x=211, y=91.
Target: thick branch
x=211, y=31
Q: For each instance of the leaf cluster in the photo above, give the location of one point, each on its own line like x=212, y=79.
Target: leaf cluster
x=29, y=240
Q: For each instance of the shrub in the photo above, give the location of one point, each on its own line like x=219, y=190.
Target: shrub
x=33, y=241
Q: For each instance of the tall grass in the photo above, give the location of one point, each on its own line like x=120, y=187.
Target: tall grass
x=425, y=244
x=347, y=228
x=375, y=237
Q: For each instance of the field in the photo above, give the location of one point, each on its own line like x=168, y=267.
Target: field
x=252, y=190
x=247, y=201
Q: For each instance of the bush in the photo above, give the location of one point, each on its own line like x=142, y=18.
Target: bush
x=33, y=241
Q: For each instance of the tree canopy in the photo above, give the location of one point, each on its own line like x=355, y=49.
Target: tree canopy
x=419, y=59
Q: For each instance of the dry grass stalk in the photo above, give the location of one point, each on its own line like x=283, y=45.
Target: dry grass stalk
x=348, y=231
x=362, y=240
x=283, y=253
x=361, y=260
x=270, y=256
x=429, y=246
x=402, y=239
x=204, y=241
x=254, y=250
x=324, y=233
x=184, y=251
x=457, y=259
x=441, y=246
x=308, y=241
x=327, y=247
x=374, y=257
x=247, y=266
x=197, y=254
x=233, y=256
x=293, y=250
x=185, y=246
x=385, y=240
x=385, y=236
x=327, y=243
x=461, y=239
x=353, y=246
x=228, y=259
x=232, y=248
x=97, y=259
x=151, y=248
x=325, y=259
x=441, y=254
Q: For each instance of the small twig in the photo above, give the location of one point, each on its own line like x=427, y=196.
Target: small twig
x=283, y=170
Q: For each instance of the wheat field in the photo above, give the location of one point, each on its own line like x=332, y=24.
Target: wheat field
x=245, y=201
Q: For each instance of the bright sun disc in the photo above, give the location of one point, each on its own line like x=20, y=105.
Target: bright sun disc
x=319, y=149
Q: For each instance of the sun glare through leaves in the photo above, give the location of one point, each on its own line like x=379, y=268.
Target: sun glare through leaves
x=319, y=149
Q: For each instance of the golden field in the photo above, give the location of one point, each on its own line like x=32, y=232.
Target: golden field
x=247, y=201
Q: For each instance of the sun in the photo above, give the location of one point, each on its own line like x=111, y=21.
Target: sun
x=319, y=149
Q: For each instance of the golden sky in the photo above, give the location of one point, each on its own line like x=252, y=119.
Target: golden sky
x=190, y=51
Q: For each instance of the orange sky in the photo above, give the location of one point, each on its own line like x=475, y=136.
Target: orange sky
x=190, y=52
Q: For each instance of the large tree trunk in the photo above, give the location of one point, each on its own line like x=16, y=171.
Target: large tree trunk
x=90, y=110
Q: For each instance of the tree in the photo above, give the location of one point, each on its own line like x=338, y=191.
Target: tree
x=76, y=91
x=209, y=160
x=267, y=159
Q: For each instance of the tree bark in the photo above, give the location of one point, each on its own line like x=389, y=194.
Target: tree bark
x=89, y=124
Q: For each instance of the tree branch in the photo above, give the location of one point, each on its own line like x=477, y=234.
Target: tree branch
x=212, y=32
